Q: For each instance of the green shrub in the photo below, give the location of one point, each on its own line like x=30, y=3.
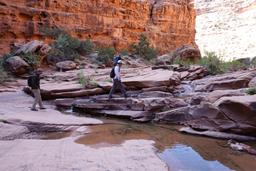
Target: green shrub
x=251, y=91
x=4, y=58
x=31, y=58
x=233, y=65
x=212, y=63
x=253, y=62
x=86, y=81
x=52, y=32
x=86, y=47
x=66, y=47
x=105, y=55
x=3, y=75
x=185, y=63
x=217, y=66
x=124, y=52
x=143, y=48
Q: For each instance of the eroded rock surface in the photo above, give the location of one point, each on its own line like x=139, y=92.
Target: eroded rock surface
x=168, y=23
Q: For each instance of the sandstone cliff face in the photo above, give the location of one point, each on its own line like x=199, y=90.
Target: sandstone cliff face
x=118, y=23
x=227, y=27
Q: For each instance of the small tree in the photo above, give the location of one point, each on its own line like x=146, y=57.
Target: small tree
x=212, y=63
x=143, y=48
x=105, y=55
x=31, y=58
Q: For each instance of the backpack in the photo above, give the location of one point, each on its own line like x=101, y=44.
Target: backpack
x=30, y=81
x=112, y=73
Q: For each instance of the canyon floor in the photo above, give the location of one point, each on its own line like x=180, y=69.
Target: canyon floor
x=52, y=140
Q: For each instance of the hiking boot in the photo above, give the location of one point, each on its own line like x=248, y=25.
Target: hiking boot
x=33, y=109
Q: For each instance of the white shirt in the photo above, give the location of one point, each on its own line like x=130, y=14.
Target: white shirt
x=117, y=73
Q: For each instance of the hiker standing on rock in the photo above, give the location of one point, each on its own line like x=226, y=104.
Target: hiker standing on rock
x=116, y=75
x=34, y=84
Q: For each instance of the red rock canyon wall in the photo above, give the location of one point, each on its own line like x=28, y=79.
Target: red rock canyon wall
x=167, y=23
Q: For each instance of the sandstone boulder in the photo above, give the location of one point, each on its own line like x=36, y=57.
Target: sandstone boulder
x=235, y=80
x=241, y=109
x=66, y=65
x=252, y=83
x=186, y=53
x=188, y=113
x=17, y=65
x=45, y=49
x=163, y=60
x=183, y=53
x=30, y=47
x=217, y=94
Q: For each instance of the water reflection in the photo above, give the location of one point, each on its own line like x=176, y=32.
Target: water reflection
x=179, y=151
x=182, y=157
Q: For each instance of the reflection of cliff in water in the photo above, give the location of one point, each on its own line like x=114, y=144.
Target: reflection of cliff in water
x=199, y=152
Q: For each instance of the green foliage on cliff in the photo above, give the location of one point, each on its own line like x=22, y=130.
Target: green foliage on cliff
x=143, y=48
x=66, y=47
x=105, y=55
x=52, y=32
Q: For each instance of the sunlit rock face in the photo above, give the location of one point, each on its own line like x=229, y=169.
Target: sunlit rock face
x=119, y=23
x=227, y=27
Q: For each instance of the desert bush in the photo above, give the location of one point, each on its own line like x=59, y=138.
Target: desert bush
x=251, y=91
x=233, y=65
x=212, y=63
x=3, y=75
x=31, y=58
x=124, y=52
x=52, y=32
x=86, y=81
x=253, y=62
x=105, y=55
x=4, y=58
x=66, y=47
x=185, y=63
x=215, y=65
x=143, y=48
x=86, y=47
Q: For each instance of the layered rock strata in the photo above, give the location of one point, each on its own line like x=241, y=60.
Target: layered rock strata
x=167, y=23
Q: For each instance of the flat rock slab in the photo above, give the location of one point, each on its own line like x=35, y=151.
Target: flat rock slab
x=152, y=78
x=66, y=155
x=61, y=86
x=9, y=130
x=128, y=114
x=16, y=106
x=235, y=80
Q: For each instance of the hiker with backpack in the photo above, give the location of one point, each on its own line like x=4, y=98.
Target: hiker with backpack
x=34, y=84
x=116, y=59
x=115, y=74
